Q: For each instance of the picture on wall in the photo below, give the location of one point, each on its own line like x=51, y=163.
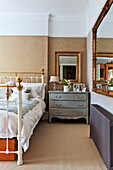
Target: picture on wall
x=69, y=72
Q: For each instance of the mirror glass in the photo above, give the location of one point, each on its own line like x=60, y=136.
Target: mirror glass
x=68, y=66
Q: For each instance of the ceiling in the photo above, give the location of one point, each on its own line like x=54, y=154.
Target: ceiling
x=54, y=7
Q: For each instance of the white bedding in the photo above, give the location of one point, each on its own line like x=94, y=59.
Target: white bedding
x=29, y=122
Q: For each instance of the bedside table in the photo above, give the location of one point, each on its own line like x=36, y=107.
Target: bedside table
x=69, y=105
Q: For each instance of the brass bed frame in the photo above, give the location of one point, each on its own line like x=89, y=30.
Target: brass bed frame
x=19, y=76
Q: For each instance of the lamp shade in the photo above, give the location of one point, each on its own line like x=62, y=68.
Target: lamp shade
x=54, y=79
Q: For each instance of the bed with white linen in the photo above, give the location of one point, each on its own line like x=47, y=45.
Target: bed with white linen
x=29, y=102
x=29, y=120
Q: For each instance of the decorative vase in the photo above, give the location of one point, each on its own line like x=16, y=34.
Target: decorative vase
x=66, y=88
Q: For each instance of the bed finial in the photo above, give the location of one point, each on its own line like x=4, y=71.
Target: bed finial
x=19, y=80
x=42, y=71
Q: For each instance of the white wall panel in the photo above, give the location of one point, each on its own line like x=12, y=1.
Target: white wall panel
x=67, y=26
x=24, y=25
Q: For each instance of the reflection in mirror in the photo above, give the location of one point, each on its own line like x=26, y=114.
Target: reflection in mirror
x=104, y=66
x=68, y=66
x=103, y=50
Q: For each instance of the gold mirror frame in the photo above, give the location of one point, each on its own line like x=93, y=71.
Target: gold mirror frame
x=78, y=67
x=94, y=43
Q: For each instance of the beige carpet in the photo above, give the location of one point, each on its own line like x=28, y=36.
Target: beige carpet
x=59, y=146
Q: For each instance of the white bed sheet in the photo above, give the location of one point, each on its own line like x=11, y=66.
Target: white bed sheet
x=29, y=122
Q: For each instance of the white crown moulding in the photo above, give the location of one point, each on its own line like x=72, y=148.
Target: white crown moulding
x=23, y=15
x=66, y=16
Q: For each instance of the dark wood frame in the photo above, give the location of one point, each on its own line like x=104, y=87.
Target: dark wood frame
x=94, y=36
x=78, y=67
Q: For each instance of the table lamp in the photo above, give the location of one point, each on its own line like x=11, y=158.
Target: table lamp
x=54, y=79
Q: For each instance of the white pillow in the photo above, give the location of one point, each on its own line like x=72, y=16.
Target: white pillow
x=3, y=89
x=25, y=96
x=37, y=89
x=10, y=83
x=14, y=95
x=3, y=92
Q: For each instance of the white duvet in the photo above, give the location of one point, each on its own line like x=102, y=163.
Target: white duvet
x=29, y=122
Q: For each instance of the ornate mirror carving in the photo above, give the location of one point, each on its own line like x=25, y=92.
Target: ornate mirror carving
x=68, y=66
x=103, y=51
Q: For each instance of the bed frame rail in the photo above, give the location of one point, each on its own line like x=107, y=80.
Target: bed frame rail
x=31, y=77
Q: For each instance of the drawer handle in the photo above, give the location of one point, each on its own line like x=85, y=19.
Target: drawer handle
x=58, y=96
x=79, y=96
x=80, y=105
x=58, y=112
x=58, y=104
x=79, y=113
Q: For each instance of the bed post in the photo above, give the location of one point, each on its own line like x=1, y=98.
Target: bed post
x=42, y=75
x=19, y=86
x=7, y=97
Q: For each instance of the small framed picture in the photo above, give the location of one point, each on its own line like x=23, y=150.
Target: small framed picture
x=77, y=87
x=99, y=86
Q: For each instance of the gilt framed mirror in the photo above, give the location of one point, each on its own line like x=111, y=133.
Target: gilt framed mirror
x=103, y=51
x=68, y=66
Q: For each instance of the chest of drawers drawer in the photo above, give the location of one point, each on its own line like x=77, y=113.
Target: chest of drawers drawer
x=68, y=97
x=68, y=104
x=68, y=112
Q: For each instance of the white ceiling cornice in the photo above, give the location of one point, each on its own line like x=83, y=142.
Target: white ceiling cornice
x=66, y=16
